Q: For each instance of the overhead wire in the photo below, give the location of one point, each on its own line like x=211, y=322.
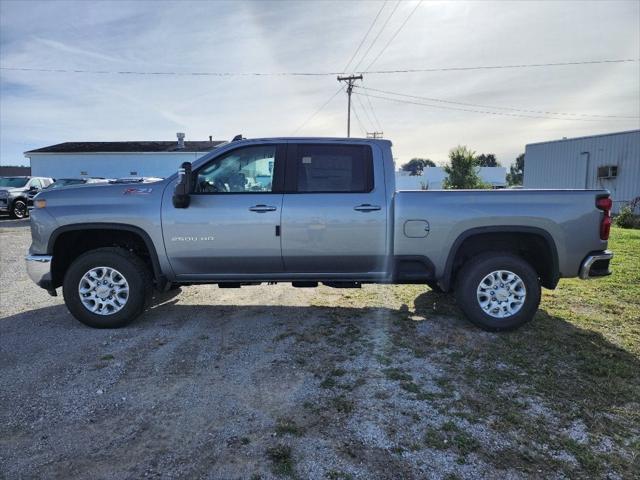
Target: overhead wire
x=314, y=74
x=378, y=124
x=318, y=110
x=346, y=67
x=355, y=112
x=393, y=36
x=366, y=113
x=488, y=112
x=373, y=42
x=494, y=107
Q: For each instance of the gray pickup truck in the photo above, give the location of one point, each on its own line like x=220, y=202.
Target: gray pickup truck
x=310, y=210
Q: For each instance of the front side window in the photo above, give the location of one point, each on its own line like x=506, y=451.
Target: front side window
x=248, y=169
x=333, y=168
x=35, y=183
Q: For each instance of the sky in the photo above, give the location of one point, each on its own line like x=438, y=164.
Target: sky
x=43, y=108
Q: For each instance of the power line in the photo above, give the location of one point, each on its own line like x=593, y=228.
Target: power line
x=543, y=112
x=318, y=110
x=365, y=37
x=393, y=36
x=398, y=100
x=378, y=124
x=355, y=112
x=378, y=35
x=313, y=74
x=366, y=113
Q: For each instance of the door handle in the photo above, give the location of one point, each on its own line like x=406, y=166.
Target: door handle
x=262, y=208
x=365, y=207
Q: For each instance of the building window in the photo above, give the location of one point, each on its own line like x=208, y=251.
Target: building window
x=83, y=173
x=608, y=171
x=133, y=173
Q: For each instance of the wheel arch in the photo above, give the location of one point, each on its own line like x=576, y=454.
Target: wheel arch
x=110, y=234
x=546, y=263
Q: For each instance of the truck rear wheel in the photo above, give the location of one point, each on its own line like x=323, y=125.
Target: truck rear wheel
x=498, y=291
x=107, y=287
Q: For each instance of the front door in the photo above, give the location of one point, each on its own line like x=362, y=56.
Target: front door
x=334, y=215
x=229, y=228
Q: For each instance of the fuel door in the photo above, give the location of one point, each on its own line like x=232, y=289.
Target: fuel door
x=416, y=228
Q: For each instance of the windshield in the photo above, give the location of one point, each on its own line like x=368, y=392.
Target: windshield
x=13, y=182
x=63, y=182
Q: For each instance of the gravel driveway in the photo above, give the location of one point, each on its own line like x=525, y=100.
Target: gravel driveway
x=258, y=382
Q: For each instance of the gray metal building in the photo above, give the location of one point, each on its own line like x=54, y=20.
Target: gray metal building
x=610, y=161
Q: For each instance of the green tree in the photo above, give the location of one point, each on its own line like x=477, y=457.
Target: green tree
x=416, y=165
x=487, y=160
x=463, y=170
x=516, y=171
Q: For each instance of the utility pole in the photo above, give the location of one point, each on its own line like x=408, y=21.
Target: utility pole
x=375, y=134
x=350, y=79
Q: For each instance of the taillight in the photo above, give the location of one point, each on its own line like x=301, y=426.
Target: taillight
x=605, y=204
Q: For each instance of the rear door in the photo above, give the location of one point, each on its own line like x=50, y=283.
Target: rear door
x=334, y=214
x=230, y=226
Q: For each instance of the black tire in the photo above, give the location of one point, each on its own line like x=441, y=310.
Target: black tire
x=19, y=209
x=132, y=268
x=474, y=271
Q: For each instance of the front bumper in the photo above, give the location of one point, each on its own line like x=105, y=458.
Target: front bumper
x=4, y=204
x=39, y=270
x=596, y=264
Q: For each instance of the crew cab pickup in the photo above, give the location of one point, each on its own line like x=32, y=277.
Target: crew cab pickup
x=309, y=211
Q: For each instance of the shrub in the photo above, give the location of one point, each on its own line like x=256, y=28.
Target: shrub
x=626, y=218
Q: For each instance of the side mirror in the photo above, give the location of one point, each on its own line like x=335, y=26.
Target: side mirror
x=181, y=194
x=33, y=188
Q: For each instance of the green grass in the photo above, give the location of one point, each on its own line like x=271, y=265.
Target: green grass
x=281, y=460
x=577, y=361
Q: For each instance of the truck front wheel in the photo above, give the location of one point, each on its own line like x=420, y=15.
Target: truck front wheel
x=498, y=291
x=107, y=287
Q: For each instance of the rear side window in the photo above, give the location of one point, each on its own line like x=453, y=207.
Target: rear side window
x=333, y=168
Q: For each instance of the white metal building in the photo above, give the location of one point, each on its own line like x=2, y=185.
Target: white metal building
x=115, y=159
x=610, y=161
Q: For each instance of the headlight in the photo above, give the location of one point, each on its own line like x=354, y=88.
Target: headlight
x=4, y=194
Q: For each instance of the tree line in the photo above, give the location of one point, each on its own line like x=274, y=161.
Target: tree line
x=462, y=169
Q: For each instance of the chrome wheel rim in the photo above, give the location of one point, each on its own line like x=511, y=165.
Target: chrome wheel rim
x=103, y=290
x=501, y=294
x=20, y=209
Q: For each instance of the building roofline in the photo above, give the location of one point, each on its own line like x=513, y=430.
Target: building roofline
x=584, y=137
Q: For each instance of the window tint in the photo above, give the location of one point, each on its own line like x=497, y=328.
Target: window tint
x=35, y=183
x=13, y=182
x=248, y=169
x=334, y=168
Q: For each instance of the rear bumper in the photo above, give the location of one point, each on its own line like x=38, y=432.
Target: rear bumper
x=39, y=269
x=596, y=264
